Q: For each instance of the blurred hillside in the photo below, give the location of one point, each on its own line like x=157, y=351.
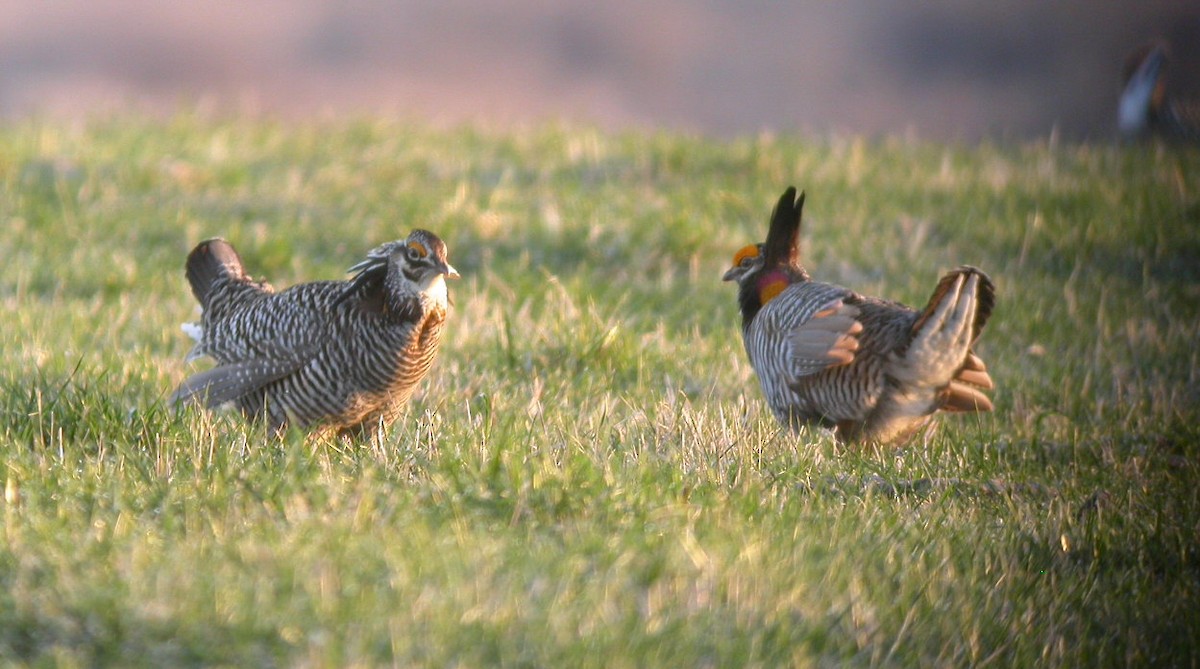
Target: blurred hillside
x=960, y=70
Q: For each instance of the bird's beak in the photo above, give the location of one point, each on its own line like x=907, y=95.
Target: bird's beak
x=732, y=274
x=449, y=271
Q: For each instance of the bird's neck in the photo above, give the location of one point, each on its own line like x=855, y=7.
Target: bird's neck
x=409, y=301
x=756, y=293
x=435, y=290
x=771, y=284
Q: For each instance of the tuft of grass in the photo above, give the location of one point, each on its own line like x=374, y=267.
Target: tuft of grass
x=590, y=476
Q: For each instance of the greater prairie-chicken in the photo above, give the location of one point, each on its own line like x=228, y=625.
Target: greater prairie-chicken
x=875, y=371
x=1147, y=108
x=339, y=356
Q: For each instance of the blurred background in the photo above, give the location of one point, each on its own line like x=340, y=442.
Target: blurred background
x=963, y=70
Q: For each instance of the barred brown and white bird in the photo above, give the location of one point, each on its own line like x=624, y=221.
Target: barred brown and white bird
x=339, y=356
x=1147, y=108
x=875, y=371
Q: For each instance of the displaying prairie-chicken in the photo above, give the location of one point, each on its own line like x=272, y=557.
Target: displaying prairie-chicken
x=328, y=355
x=1147, y=108
x=873, y=370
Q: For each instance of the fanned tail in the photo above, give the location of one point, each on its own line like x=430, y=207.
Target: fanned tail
x=936, y=369
x=984, y=298
x=212, y=260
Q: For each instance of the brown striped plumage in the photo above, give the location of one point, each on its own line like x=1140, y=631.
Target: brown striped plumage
x=872, y=369
x=326, y=355
x=1147, y=108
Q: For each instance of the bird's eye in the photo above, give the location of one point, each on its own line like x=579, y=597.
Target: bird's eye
x=415, y=251
x=746, y=256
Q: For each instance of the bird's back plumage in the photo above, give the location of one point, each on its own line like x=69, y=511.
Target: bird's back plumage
x=342, y=355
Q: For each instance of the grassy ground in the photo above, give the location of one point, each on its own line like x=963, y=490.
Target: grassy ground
x=590, y=477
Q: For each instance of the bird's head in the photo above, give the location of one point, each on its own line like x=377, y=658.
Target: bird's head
x=748, y=260
x=421, y=259
x=780, y=254
x=415, y=264
x=764, y=270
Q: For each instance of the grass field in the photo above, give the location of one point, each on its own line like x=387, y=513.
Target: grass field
x=590, y=476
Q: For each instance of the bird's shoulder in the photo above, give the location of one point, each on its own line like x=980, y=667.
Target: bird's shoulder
x=799, y=302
